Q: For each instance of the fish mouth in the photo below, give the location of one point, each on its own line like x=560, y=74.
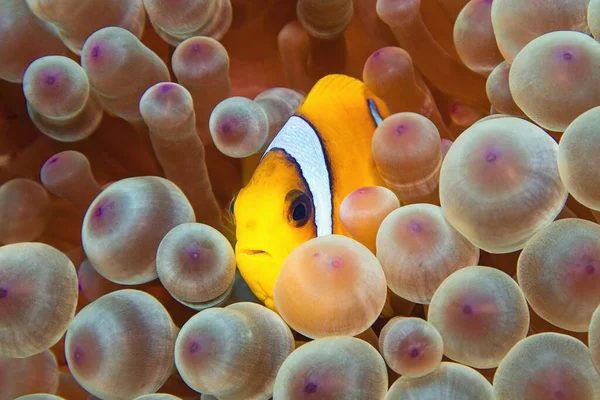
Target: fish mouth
x=250, y=260
x=254, y=253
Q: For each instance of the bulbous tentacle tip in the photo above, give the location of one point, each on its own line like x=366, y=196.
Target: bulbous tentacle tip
x=396, y=13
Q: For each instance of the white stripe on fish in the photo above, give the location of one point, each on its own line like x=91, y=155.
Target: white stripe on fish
x=300, y=141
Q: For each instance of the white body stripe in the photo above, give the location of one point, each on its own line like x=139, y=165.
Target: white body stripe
x=300, y=141
x=374, y=112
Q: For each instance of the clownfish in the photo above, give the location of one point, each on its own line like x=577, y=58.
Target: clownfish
x=319, y=156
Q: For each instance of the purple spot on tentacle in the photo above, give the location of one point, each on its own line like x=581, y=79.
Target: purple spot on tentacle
x=167, y=87
x=467, y=309
x=454, y=108
x=336, y=263
x=491, y=156
x=196, y=48
x=3, y=293
x=227, y=128
x=414, y=351
x=590, y=269
x=103, y=212
x=558, y=395
x=567, y=56
x=400, y=129
x=50, y=80
x=194, y=347
x=196, y=254
x=377, y=54
x=78, y=355
x=51, y=161
x=96, y=51
x=310, y=387
x=79, y=286
x=415, y=226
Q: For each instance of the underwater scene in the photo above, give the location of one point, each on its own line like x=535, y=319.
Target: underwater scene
x=299, y=199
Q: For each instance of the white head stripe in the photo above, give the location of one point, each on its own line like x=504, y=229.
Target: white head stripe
x=300, y=141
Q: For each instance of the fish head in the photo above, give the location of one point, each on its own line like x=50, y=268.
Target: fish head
x=273, y=215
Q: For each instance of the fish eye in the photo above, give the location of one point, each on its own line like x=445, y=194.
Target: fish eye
x=300, y=208
x=299, y=212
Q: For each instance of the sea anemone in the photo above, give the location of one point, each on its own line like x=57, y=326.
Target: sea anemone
x=455, y=244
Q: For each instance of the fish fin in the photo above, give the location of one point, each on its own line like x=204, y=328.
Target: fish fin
x=337, y=85
x=229, y=226
x=342, y=100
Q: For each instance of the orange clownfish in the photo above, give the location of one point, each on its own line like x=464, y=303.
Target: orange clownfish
x=320, y=155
